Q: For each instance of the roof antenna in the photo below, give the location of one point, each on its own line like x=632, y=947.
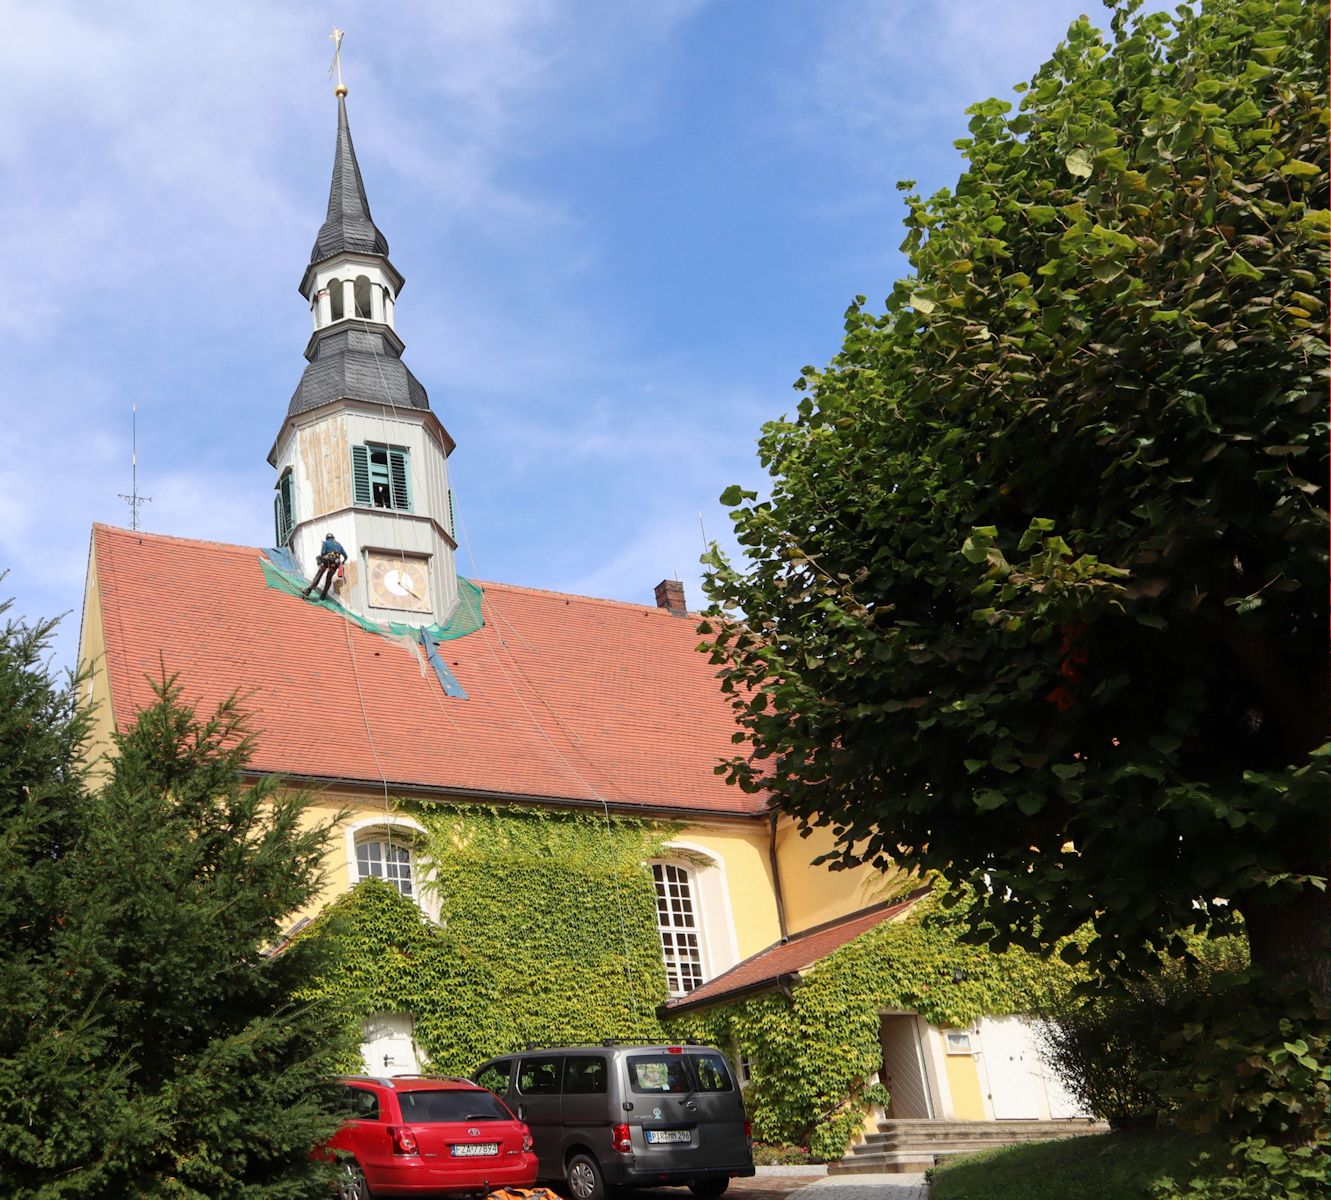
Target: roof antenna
x=134, y=500
x=703, y=529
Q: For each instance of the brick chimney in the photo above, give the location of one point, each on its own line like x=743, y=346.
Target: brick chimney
x=670, y=596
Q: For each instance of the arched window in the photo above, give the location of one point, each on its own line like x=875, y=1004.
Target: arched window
x=362, y=293
x=335, y=294
x=679, y=926
x=379, y=855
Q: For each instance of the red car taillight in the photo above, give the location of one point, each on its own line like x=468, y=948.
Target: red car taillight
x=404, y=1141
x=620, y=1139
x=526, y=1142
x=748, y=1130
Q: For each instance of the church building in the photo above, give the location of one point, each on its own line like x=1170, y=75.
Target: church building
x=412, y=690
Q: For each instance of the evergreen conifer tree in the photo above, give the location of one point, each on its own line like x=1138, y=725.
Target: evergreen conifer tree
x=150, y=1041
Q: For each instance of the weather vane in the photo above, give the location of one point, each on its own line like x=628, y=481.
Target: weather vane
x=134, y=500
x=336, y=65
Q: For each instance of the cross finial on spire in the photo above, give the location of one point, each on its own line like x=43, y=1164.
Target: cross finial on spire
x=336, y=65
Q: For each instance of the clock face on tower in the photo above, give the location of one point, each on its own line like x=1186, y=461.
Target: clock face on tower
x=399, y=582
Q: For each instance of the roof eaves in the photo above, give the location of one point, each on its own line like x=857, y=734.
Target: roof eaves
x=520, y=798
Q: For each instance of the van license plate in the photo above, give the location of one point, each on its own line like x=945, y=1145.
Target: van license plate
x=475, y=1149
x=656, y=1136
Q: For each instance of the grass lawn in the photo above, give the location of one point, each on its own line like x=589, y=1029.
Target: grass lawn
x=1111, y=1166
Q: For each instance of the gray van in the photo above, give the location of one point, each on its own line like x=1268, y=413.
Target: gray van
x=616, y=1115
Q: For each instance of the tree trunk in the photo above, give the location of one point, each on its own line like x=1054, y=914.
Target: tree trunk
x=1291, y=939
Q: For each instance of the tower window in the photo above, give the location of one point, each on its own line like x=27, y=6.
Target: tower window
x=379, y=476
x=677, y=924
x=284, y=509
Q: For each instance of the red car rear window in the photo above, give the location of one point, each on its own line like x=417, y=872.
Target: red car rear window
x=433, y=1108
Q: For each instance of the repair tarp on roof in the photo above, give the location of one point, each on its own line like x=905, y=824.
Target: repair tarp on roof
x=789, y=957
x=570, y=699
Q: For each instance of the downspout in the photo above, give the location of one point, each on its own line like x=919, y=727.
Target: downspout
x=776, y=881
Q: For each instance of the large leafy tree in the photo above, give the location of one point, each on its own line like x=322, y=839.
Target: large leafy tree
x=149, y=1042
x=1038, y=594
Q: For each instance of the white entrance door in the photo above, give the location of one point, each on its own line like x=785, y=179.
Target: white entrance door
x=1010, y=1063
x=388, y=1048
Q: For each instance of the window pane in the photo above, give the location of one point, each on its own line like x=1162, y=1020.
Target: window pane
x=656, y=1073
x=584, y=1076
x=495, y=1076
x=713, y=1074
x=390, y=861
x=433, y=1108
x=676, y=924
x=539, y=1076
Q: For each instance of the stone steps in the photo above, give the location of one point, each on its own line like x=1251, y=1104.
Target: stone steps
x=917, y=1145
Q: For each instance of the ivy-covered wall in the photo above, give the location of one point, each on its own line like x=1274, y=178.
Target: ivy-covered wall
x=547, y=934
x=812, y=1052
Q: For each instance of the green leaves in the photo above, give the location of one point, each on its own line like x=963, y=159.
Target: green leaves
x=1071, y=509
x=1078, y=164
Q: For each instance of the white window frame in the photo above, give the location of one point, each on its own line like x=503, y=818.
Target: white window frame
x=404, y=831
x=676, y=926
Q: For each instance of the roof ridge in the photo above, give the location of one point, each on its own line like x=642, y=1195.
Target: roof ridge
x=172, y=537
x=536, y=591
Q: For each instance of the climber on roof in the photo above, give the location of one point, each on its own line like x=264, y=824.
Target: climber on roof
x=331, y=556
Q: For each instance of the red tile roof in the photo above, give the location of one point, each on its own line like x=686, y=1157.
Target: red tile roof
x=788, y=957
x=570, y=699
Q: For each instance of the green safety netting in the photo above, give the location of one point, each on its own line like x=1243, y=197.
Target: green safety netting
x=466, y=618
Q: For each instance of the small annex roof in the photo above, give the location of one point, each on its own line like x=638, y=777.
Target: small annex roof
x=572, y=700
x=786, y=959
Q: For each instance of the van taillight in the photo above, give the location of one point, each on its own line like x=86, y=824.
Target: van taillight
x=404, y=1141
x=620, y=1139
x=748, y=1130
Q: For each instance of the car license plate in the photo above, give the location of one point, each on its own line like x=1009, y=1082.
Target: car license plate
x=656, y=1136
x=475, y=1149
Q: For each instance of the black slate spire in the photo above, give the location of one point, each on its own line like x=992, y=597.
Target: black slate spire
x=348, y=225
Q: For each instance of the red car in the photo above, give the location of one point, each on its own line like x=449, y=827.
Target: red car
x=413, y=1135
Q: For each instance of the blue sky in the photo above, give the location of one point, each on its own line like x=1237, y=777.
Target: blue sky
x=624, y=228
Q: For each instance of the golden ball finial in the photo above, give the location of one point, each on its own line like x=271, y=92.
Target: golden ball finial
x=340, y=90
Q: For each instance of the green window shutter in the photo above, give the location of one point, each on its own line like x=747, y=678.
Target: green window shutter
x=452, y=528
x=397, y=469
x=278, y=539
x=360, y=476
x=286, y=495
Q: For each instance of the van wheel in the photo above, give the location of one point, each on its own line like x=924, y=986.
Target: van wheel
x=708, y=1189
x=584, y=1178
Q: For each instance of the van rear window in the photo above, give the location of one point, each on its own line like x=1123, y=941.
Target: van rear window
x=656, y=1073
x=435, y=1108
x=713, y=1074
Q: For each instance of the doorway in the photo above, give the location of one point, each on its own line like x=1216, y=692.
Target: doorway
x=904, y=1074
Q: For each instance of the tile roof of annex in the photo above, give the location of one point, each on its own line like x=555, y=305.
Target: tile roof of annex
x=787, y=958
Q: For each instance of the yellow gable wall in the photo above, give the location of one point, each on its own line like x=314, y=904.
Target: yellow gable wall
x=817, y=894
x=95, y=687
x=742, y=851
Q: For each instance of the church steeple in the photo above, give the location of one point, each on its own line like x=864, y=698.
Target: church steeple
x=360, y=453
x=348, y=225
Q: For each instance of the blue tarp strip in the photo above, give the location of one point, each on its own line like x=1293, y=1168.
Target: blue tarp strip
x=282, y=557
x=447, y=680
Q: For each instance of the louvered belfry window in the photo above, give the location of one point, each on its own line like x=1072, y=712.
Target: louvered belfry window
x=677, y=923
x=379, y=476
x=284, y=510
